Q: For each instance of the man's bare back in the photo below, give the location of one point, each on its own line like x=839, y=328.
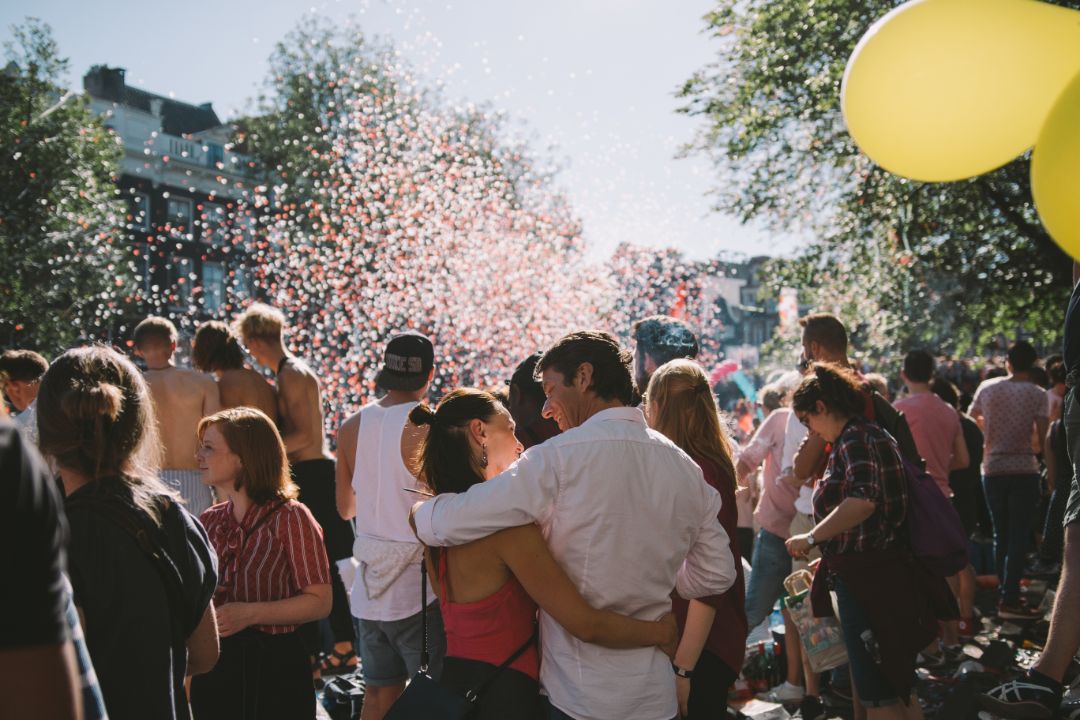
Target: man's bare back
x=299, y=402
x=181, y=399
x=243, y=387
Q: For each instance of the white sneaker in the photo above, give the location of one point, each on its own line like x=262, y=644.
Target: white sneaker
x=785, y=692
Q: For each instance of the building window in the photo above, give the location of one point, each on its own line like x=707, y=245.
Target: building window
x=213, y=224
x=243, y=283
x=180, y=272
x=140, y=211
x=143, y=267
x=179, y=216
x=215, y=155
x=213, y=283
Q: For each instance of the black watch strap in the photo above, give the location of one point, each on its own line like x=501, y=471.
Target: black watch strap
x=682, y=672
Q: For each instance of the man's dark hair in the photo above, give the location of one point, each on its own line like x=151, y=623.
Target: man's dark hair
x=23, y=365
x=1055, y=368
x=611, y=378
x=525, y=381
x=919, y=366
x=665, y=339
x=826, y=330
x=216, y=347
x=1022, y=356
x=946, y=391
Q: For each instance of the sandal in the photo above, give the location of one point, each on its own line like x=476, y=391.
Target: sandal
x=338, y=663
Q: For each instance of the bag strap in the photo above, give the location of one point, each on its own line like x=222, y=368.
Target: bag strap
x=474, y=694
x=424, y=656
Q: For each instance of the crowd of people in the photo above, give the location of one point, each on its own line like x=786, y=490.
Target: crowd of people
x=590, y=541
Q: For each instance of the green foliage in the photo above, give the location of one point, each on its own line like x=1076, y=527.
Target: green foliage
x=66, y=267
x=951, y=266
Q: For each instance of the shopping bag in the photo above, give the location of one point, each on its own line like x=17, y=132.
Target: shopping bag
x=822, y=639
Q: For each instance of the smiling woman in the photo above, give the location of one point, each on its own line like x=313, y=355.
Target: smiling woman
x=274, y=573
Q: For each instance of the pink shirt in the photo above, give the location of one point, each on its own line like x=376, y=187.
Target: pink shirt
x=1009, y=409
x=777, y=505
x=935, y=425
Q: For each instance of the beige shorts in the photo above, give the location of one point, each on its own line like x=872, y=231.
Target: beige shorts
x=803, y=524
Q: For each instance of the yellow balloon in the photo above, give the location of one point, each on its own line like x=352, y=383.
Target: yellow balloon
x=942, y=90
x=1055, y=171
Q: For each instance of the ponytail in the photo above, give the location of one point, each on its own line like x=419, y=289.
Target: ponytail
x=422, y=415
x=96, y=418
x=446, y=462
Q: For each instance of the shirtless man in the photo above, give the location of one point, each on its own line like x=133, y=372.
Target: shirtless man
x=181, y=399
x=299, y=411
x=217, y=351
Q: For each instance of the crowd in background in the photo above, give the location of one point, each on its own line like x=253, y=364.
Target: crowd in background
x=595, y=539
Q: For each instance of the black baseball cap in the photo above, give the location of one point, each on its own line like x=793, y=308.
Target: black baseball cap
x=407, y=361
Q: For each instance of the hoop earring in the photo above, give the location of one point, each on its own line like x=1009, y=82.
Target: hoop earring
x=483, y=457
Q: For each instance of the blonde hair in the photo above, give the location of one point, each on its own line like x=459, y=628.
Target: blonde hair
x=682, y=407
x=253, y=437
x=154, y=328
x=260, y=322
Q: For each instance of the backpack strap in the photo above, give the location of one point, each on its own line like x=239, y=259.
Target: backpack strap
x=148, y=538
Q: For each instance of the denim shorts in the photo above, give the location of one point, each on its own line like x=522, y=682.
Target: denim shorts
x=1072, y=434
x=389, y=650
x=870, y=683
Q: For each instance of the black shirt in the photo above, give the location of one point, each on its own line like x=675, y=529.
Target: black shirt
x=127, y=613
x=32, y=533
x=1072, y=332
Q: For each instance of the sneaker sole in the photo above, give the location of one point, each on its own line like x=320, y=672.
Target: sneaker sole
x=1027, y=710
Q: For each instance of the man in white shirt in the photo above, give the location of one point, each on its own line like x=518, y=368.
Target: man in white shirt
x=627, y=514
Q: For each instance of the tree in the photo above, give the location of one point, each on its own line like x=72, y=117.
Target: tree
x=952, y=266
x=66, y=266
x=391, y=209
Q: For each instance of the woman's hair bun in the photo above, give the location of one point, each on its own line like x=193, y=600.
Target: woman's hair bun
x=422, y=414
x=93, y=402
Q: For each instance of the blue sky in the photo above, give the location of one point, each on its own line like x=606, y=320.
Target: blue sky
x=592, y=79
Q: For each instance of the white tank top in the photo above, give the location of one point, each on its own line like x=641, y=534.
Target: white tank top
x=382, y=508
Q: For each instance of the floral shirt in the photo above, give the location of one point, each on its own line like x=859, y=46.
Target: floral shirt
x=865, y=463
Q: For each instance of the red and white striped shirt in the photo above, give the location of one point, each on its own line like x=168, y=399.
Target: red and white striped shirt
x=272, y=554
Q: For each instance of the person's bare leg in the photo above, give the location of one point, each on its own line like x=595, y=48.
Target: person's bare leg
x=965, y=597
x=950, y=634
x=377, y=701
x=793, y=646
x=1064, y=638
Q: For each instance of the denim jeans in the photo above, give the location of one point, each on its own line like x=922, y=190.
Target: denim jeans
x=1013, y=502
x=770, y=565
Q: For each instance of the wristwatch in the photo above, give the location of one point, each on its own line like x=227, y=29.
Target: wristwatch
x=810, y=539
x=682, y=672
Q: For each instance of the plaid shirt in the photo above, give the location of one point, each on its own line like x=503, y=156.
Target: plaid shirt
x=865, y=463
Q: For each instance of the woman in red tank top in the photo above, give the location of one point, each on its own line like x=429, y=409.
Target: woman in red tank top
x=489, y=589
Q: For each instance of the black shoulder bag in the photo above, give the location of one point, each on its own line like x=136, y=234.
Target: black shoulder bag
x=424, y=698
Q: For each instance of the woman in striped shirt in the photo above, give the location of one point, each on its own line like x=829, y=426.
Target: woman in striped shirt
x=274, y=574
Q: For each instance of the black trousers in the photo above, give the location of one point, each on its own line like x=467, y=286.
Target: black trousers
x=257, y=677
x=709, y=688
x=315, y=479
